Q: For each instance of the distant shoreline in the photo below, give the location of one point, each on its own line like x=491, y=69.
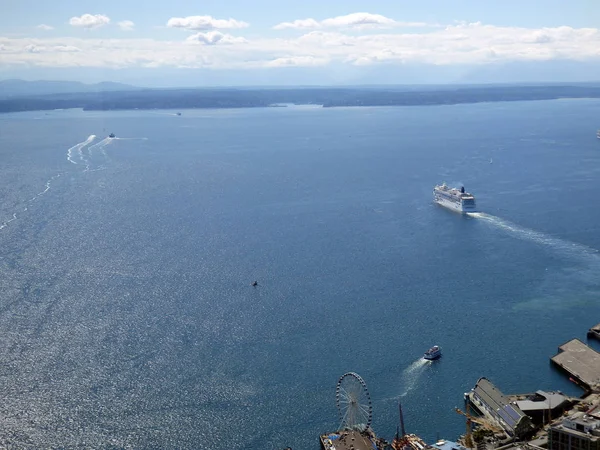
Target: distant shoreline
x=176, y=99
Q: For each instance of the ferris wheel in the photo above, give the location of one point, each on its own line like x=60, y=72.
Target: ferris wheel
x=353, y=402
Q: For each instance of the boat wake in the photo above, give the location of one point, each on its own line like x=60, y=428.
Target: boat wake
x=567, y=248
x=99, y=147
x=412, y=374
x=78, y=149
x=25, y=206
x=574, y=283
x=6, y=222
x=92, y=157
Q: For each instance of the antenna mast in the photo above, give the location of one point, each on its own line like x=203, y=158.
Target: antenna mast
x=401, y=419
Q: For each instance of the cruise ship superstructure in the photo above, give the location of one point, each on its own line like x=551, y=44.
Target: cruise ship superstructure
x=455, y=199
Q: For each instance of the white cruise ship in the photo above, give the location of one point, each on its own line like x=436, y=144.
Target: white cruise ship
x=454, y=199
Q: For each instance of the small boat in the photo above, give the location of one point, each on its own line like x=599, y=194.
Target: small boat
x=178, y=113
x=433, y=353
x=598, y=134
x=111, y=135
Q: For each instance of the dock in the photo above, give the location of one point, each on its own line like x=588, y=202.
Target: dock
x=594, y=332
x=581, y=363
x=352, y=440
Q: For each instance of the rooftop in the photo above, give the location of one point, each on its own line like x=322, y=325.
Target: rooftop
x=542, y=400
x=580, y=361
x=347, y=440
x=448, y=445
x=508, y=413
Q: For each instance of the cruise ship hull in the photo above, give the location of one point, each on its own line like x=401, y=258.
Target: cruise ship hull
x=454, y=206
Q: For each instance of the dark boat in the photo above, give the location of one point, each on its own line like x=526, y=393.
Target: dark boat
x=111, y=135
x=178, y=114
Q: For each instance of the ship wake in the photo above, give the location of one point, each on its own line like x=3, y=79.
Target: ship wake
x=82, y=154
x=412, y=374
x=566, y=248
x=78, y=150
x=572, y=283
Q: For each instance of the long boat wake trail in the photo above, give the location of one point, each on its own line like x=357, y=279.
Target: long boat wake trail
x=77, y=148
x=6, y=222
x=76, y=155
x=412, y=374
x=100, y=146
x=24, y=207
x=567, y=248
x=571, y=284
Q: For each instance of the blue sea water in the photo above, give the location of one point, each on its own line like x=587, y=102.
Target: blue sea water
x=127, y=319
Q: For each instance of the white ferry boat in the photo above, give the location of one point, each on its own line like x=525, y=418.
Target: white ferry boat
x=433, y=353
x=454, y=199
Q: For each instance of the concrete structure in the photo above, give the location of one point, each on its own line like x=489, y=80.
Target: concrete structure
x=352, y=440
x=409, y=442
x=594, y=332
x=581, y=362
x=576, y=432
x=488, y=399
x=448, y=445
x=542, y=406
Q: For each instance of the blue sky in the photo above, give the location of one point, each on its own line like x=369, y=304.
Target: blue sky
x=319, y=42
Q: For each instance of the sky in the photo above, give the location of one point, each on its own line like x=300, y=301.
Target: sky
x=236, y=42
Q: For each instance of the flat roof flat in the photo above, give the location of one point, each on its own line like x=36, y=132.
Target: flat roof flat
x=551, y=401
x=580, y=361
x=448, y=445
x=346, y=440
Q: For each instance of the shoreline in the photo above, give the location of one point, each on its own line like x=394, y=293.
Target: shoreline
x=178, y=99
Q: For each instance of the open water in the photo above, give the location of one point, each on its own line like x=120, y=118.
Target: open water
x=127, y=319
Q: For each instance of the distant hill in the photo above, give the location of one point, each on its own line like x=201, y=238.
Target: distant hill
x=22, y=88
x=327, y=97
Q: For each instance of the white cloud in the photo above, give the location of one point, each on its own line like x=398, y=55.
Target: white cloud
x=204, y=23
x=90, y=21
x=32, y=48
x=66, y=48
x=457, y=44
x=37, y=48
x=360, y=20
x=126, y=25
x=44, y=27
x=215, y=37
x=299, y=24
x=297, y=61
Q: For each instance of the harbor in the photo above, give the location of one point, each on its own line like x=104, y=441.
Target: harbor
x=494, y=420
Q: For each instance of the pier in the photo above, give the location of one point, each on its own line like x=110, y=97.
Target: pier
x=594, y=332
x=352, y=440
x=581, y=362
